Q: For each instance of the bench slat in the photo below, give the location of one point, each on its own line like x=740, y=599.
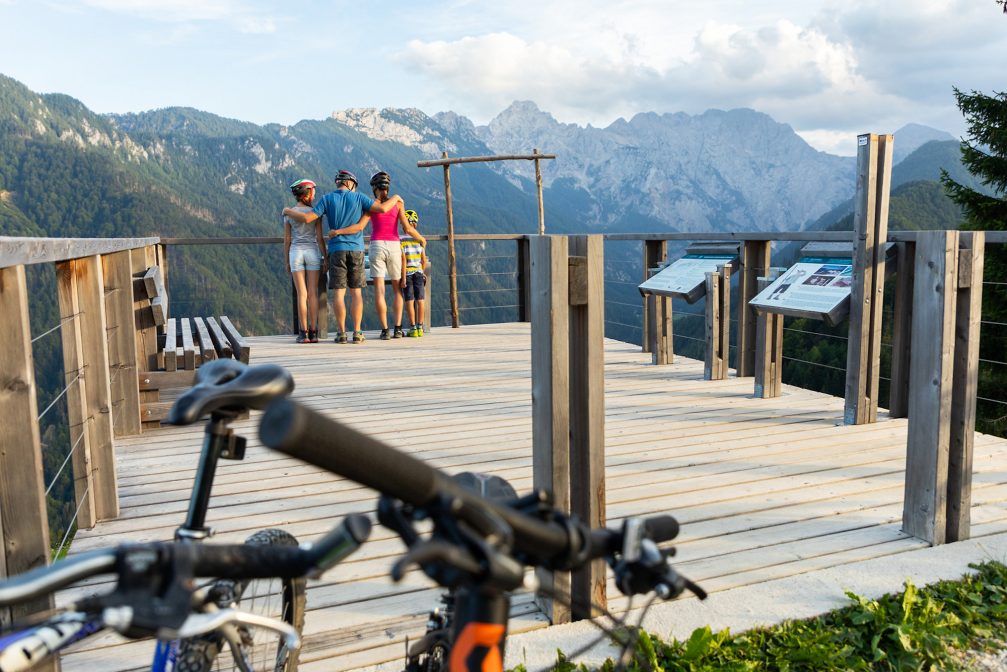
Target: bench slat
x=170, y=346
x=162, y=380
x=239, y=345
x=188, y=349
x=160, y=311
x=219, y=340
x=203, y=338
x=153, y=283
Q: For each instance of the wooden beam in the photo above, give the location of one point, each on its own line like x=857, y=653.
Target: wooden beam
x=655, y=253
x=898, y=396
x=445, y=161
x=78, y=414
x=209, y=353
x=964, y=384
x=538, y=190
x=145, y=329
x=118, y=273
x=161, y=380
x=768, y=350
x=870, y=223
x=22, y=504
x=587, y=416
x=23, y=250
x=94, y=347
x=550, y=391
x=452, y=266
x=239, y=346
x=188, y=347
x=718, y=323
x=755, y=261
x=170, y=350
x=220, y=341
x=925, y=503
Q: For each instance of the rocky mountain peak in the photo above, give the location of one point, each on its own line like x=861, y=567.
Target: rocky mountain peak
x=406, y=126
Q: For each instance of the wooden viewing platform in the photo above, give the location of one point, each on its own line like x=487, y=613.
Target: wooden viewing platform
x=764, y=488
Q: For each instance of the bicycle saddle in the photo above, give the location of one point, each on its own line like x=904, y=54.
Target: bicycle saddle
x=229, y=385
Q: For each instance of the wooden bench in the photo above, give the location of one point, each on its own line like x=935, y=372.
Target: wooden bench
x=180, y=345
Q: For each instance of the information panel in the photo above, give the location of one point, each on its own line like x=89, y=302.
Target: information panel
x=815, y=287
x=685, y=278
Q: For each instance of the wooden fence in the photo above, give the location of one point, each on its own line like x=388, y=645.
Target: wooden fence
x=937, y=304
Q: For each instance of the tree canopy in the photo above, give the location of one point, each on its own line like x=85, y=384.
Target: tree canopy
x=984, y=153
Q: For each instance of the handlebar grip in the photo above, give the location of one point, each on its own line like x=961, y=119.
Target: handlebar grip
x=661, y=528
x=248, y=561
x=310, y=436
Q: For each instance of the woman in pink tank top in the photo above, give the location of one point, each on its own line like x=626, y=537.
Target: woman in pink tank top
x=385, y=254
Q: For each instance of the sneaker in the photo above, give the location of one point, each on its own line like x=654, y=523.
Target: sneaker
x=384, y=336
x=312, y=336
x=419, y=331
x=398, y=332
x=302, y=337
x=358, y=337
x=340, y=337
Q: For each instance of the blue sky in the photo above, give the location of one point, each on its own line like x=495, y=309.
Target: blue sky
x=829, y=69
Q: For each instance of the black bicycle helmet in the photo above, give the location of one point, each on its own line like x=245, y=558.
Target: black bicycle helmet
x=301, y=188
x=344, y=176
x=381, y=180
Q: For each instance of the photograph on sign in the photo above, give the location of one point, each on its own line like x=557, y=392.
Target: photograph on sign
x=685, y=278
x=812, y=287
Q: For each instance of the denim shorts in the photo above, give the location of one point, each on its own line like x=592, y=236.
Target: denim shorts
x=413, y=291
x=305, y=259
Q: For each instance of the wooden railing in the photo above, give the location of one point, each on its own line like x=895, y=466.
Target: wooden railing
x=98, y=335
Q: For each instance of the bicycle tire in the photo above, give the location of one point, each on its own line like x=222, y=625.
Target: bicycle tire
x=283, y=599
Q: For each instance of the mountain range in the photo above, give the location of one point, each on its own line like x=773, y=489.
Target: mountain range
x=181, y=172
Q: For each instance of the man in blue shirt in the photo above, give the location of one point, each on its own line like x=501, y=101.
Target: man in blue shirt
x=342, y=208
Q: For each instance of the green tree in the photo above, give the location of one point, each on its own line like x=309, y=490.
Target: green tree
x=985, y=156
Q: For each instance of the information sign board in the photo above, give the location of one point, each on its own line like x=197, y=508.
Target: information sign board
x=685, y=278
x=814, y=287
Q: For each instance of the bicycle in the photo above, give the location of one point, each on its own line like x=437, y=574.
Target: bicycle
x=156, y=594
x=479, y=548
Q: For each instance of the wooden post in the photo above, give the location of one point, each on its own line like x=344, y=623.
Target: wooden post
x=964, y=383
x=718, y=323
x=90, y=292
x=550, y=365
x=76, y=396
x=587, y=410
x=118, y=273
x=538, y=190
x=768, y=350
x=898, y=396
x=755, y=260
x=162, y=262
x=452, y=269
x=924, y=512
x=657, y=328
x=523, y=280
x=870, y=222
x=428, y=303
x=22, y=504
x=145, y=327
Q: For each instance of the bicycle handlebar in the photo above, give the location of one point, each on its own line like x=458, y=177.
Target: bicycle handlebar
x=298, y=431
x=225, y=561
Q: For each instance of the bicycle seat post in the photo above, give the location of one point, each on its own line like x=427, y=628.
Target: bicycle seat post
x=219, y=441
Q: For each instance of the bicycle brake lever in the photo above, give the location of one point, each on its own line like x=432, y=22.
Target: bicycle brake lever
x=430, y=554
x=200, y=624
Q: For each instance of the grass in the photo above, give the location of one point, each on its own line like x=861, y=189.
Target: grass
x=927, y=628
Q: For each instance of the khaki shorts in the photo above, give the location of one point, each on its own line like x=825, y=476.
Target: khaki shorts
x=386, y=259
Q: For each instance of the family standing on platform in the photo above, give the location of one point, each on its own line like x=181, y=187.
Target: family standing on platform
x=346, y=213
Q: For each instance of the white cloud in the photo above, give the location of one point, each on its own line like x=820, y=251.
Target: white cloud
x=852, y=67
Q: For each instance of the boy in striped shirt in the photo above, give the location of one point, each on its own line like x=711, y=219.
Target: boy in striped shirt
x=414, y=260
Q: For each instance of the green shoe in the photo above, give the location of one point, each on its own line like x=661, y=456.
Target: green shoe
x=358, y=337
x=340, y=337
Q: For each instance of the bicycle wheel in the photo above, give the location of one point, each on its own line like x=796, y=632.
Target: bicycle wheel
x=282, y=599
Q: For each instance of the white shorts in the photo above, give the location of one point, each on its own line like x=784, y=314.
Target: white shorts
x=386, y=259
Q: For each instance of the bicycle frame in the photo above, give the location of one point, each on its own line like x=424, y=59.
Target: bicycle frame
x=479, y=632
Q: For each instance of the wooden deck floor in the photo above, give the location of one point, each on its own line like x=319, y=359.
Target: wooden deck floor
x=763, y=488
